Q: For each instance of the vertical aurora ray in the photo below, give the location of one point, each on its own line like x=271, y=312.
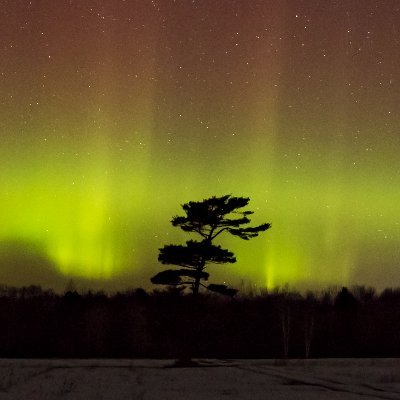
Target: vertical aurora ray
x=115, y=113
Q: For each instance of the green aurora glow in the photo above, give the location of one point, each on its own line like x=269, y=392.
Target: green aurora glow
x=115, y=113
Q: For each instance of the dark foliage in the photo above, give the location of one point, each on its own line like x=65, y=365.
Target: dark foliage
x=193, y=253
x=223, y=289
x=174, y=277
x=208, y=219
x=37, y=323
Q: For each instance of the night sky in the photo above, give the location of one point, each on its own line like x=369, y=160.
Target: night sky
x=115, y=112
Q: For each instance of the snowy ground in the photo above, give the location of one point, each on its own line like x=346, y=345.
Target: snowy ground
x=213, y=379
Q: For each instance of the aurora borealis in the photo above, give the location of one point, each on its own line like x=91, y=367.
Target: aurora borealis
x=113, y=113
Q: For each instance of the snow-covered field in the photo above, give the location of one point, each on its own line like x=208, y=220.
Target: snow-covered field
x=212, y=379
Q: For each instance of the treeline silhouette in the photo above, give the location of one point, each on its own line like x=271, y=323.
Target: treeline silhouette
x=170, y=324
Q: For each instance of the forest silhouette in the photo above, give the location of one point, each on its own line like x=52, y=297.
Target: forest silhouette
x=270, y=324
x=177, y=323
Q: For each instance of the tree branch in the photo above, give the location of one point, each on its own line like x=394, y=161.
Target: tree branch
x=219, y=232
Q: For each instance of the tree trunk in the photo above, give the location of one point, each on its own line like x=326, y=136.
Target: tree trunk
x=199, y=269
x=285, y=319
x=308, y=333
x=196, y=285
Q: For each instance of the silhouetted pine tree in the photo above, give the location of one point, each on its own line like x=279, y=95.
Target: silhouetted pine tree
x=208, y=219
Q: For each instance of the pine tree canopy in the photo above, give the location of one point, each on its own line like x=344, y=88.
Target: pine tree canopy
x=208, y=218
x=193, y=253
x=211, y=217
